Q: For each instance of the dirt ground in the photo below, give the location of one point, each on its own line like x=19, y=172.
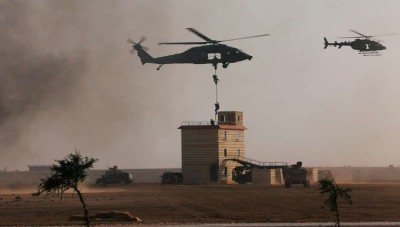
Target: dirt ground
x=157, y=204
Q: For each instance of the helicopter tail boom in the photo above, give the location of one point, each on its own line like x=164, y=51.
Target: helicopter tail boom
x=141, y=51
x=143, y=55
x=339, y=45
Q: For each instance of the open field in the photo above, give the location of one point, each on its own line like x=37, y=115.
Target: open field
x=155, y=204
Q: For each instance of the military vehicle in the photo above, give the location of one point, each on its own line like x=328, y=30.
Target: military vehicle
x=114, y=176
x=295, y=174
x=170, y=177
x=242, y=174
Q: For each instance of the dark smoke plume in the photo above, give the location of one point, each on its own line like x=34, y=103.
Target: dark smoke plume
x=30, y=81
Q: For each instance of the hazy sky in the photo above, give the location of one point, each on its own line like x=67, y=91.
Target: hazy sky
x=68, y=81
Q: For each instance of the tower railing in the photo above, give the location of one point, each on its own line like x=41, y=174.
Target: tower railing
x=206, y=123
x=253, y=162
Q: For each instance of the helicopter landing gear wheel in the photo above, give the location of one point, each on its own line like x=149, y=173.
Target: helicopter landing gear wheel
x=159, y=67
x=225, y=65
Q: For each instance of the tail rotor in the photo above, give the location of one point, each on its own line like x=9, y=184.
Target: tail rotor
x=137, y=45
x=141, y=51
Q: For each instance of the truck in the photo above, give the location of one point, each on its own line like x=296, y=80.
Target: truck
x=114, y=176
x=296, y=174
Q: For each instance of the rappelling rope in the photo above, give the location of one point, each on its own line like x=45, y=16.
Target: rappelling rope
x=215, y=78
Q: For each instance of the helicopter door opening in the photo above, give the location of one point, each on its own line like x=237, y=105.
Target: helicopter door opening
x=212, y=56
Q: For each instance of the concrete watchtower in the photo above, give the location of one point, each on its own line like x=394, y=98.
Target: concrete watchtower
x=205, y=145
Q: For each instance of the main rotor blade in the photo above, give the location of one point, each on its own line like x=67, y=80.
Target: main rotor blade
x=130, y=41
x=200, y=35
x=369, y=36
x=352, y=37
x=183, y=43
x=385, y=34
x=366, y=36
x=243, y=38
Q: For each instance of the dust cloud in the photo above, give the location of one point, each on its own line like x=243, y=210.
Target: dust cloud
x=31, y=81
x=67, y=81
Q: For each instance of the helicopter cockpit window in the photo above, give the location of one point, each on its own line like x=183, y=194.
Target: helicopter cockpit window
x=214, y=55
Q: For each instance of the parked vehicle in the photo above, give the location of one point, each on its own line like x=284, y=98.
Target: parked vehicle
x=242, y=174
x=295, y=174
x=170, y=177
x=114, y=176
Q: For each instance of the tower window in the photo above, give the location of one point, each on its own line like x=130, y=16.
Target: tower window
x=226, y=171
x=238, y=152
x=238, y=118
x=222, y=118
x=225, y=135
x=238, y=135
x=225, y=152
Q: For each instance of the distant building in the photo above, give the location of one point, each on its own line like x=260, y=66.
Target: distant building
x=205, y=145
x=41, y=168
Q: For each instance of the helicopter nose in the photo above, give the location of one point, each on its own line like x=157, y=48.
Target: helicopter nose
x=243, y=56
x=247, y=56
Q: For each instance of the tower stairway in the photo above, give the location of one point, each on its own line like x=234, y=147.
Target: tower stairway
x=254, y=163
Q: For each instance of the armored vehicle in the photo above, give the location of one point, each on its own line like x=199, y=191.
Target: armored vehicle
x=170, y=177
x=295, y=174
x=114, y=176
x=242, y=174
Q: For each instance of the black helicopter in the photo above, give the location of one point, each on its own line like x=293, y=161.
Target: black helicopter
x=212, y=53
x=366, y=46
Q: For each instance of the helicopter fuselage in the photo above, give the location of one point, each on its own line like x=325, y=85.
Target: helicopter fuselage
x=208, y=54
x=362, y=45
x=366, y=45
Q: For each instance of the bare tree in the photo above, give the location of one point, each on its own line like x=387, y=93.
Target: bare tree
x=67, y=174
x=329, y=186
